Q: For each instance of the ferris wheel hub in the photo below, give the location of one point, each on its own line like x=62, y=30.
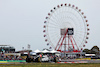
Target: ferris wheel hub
x=68, y=31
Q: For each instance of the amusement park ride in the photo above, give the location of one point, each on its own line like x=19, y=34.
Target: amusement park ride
x=66, y=28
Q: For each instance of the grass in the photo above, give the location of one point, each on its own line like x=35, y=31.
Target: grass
x=51, y=65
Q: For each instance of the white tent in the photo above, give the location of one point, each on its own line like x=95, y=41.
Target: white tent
x=25, y=52
x=54, y=51
x=32, y=53
x=46, y=51
x=89, y=54
x=38, y=51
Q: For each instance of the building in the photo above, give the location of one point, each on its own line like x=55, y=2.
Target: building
x=7, y=49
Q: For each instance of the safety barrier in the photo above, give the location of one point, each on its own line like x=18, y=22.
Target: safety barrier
x=7, y=61
x=74, y=62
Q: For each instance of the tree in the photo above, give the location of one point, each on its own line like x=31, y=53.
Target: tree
x=95, y=49
x=87, y=51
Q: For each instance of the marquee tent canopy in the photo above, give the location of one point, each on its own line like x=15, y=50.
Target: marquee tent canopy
x=46, y=51
x=32, y=53
x=54, y=51
x=38, y=51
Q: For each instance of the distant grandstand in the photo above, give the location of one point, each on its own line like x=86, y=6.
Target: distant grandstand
x=7, y=49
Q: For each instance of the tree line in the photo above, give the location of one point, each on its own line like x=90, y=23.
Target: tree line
x=93, y=50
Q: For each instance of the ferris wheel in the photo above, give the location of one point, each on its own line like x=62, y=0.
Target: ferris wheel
x=66, y=28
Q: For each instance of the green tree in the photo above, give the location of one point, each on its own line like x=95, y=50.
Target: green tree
x=95, y=49
x=87, y=51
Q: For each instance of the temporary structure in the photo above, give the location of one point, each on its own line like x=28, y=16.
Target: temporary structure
x=25, y=52
x=38, y=51
x=32, y=53
x=54, y=51
x=46, y=51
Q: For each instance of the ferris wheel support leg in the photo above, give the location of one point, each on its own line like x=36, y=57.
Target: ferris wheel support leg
x=75, y=43
x=72, y=43
x=62, y=41
x=68, y=42
x=65, y=45
x=58, y=42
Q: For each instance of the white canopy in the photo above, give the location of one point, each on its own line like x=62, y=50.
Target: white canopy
x=37, y=51
x=32, y=53
x=25, y=52
x=54, y=51
x=46, y=51
x=89, y=54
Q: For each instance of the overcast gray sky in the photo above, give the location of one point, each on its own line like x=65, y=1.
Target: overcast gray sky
x=21, y=21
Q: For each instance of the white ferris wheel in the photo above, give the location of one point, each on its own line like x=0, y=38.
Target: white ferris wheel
x=66, y=28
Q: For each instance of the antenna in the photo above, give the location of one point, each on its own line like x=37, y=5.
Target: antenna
x=28, y=46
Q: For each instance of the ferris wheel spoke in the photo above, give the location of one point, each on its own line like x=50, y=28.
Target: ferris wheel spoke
x=52, y=27
x=77, y=18
x=53, y=33
x=58, y=21
x=56, y=27
x=78, y=41
x=81, y=31
x=60, y=15
x=54, y=23
x=51, y=24
x=78, y=35
x=57, y=17
x=62, y=18
x=54, y=38
x=54, y=19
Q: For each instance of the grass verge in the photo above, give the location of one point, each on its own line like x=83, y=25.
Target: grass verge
x=52, y=65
